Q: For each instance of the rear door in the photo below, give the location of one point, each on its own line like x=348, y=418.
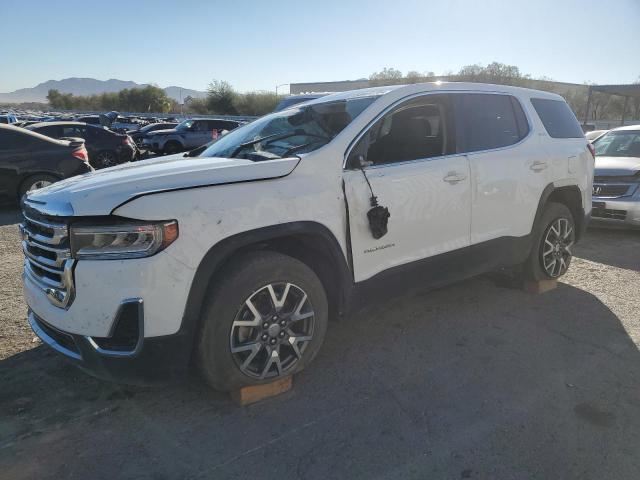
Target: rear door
x=508, y=167
x=415, y=173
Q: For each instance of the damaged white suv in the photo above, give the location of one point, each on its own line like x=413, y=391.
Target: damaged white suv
x=235, y=260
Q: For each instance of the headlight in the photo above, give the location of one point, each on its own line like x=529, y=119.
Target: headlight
x=127, y=240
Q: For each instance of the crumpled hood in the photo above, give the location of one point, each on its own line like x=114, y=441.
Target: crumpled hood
x=100, y=192
x=616, y=166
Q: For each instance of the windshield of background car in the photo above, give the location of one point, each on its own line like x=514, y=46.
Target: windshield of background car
x=620, y=143
x=185, y=125
x=292, y=131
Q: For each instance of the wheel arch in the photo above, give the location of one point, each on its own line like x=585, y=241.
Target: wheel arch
x=568, y=195
x=310, y=242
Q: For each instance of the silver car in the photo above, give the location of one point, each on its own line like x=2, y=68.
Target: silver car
x=616, y=182
x=187, y=135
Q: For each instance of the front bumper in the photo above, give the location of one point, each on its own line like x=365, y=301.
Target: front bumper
x=616, y=212
x=153, y=360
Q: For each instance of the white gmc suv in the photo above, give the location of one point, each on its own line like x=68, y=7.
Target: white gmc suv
x=236, y=259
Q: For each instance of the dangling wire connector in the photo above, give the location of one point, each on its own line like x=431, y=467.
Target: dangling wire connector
x=377, y=215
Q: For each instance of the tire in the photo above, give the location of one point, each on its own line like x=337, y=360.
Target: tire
x=247, y=280
x=34, y=183
x=554, y=237
x=172, y=147
x=105, y=159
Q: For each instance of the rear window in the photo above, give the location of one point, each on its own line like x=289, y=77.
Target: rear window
x=488, y=121
x=557, y=118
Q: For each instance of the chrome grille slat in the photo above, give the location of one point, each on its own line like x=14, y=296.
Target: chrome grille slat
x=60, y=232
x=48, y=262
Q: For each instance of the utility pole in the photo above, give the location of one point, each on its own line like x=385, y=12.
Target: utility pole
x=278, y=86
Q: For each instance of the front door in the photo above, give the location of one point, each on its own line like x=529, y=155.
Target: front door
x=408, y=157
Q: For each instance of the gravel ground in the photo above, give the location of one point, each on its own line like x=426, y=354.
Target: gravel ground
x=471, y=381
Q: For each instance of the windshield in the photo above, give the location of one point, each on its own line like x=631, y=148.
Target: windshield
x=292, y=131
x=619, y=143
x=186, y=125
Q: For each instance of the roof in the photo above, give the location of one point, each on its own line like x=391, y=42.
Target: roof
x=628, y=127
x=432, y=87
x=622, y=90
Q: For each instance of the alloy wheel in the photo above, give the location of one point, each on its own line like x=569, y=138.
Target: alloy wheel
x=271, y=330
x=39, y=184
x=556, y=248
x=106, y=159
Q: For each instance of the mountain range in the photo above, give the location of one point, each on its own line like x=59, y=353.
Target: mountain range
x=88, y=86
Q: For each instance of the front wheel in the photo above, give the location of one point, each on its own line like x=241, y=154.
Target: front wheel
x=554, y=237
x=265, y=319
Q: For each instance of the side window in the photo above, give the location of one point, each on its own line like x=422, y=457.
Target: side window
x=487, y=121
x=71, y=131
x=51, y=131
x=417, y=129
x=557, y=118
x=201, y=126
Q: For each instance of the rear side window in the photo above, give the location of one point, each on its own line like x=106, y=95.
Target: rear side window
x=488, y=121
x=557, y=118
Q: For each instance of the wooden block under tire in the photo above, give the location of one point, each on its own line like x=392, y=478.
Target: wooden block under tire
x=256, y=393
x=540, y=286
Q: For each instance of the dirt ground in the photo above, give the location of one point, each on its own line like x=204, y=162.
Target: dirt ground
x=471, y=381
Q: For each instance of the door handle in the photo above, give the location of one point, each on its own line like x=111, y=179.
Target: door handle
x=454, y=177
x=538, y=166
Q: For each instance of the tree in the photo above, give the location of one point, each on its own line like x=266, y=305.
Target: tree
x=256, y=103
x=221, y=98
x=495, y=72
x=388, y=76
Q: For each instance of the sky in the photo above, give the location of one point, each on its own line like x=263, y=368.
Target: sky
x=256, y=45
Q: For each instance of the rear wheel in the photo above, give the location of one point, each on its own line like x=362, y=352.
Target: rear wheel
x=554, y=237
x=172, y=147
x=35, y=183
x=105, y=159
x=264, y=320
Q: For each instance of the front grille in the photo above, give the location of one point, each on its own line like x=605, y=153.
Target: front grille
x=599, y=212
x=613, y=190
x=48, y=262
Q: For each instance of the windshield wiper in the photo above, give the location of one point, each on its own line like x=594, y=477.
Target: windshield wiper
x=299, y=147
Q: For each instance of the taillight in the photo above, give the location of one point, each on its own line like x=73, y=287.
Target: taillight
x=126, y=141
x=81, y=154
x=592, y=149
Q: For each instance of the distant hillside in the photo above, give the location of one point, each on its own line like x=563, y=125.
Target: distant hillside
x=87, y=86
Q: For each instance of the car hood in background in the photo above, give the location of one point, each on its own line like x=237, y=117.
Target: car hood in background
x=616, y=166
x=168, y=131
x=100, y=192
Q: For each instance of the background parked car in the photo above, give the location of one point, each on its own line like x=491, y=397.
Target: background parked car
x=187, y=135
x=593, y=135
x=292, y=100
x=139, y=135
x=29, y=161
x=90, y=119
x=8, y=119
x=616, y=182
x=106, y=148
